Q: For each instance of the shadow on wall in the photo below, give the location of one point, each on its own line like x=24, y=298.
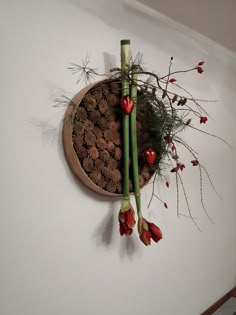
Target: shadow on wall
x=107, y=233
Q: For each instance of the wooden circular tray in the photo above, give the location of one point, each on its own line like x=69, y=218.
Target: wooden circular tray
x=92, y=139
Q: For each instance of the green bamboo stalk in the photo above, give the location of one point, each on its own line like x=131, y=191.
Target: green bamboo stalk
x=134, y=146
x=125, y=59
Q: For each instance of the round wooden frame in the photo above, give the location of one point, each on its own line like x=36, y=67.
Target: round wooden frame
x=70, y=153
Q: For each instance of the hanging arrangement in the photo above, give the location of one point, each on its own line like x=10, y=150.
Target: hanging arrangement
x=124, y=130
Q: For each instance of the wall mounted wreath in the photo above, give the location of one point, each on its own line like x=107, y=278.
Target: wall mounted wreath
x=122, y=131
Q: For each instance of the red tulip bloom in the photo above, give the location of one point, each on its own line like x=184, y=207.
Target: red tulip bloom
x=172, y=80
x=167, y=184
x=203, y=120
x=165, y=205
x=199, y=69
x=127, y=221
x=201, y=63
x=173, y=148
x=148, y=231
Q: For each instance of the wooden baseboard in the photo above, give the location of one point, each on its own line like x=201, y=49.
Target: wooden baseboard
x=215, y=306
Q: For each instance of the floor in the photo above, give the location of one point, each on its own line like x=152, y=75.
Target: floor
x=228, y=308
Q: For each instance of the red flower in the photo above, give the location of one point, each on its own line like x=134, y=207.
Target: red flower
x=172, y=80
x=127, y=221
x=148, y=231
x=199, y=69
x=173, y=148
x=165, y=205
x=127, y=104
x=181, y=166
x=203, y=120
x=167, y=184
x=145, y=237
x=201, y=63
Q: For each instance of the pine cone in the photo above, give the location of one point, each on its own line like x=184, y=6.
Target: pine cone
x=106, y=171
x=88, y=165
x=95, y=176
x=82, y=153
x=88, y=125
x=102, y=123
x=98, y=132
x=108, y=135
x=110, y=146
x=112, y=100
x=111, y=186
x=115, y=87
x=95, y=116
x=112, y=164
x=97, y=92
x=82, y=113
x=104, y=155
x=116, y=138
x=116, y=175
x=78, y=128
x=90, y=138
x=145, y=172
x=141, y=181
x=93, y=153
x=102, y=183
x=119, y=187
x=112, y=125
x=105, y=89
x=101, y=144
x=99, y=164
x=110, y=115
x=78, y=141
x=89, y=100
x=118, y=153
x=118, y=124
x=102, y=106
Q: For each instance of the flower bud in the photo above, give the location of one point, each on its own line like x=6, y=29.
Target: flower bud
x=164, y=94
x=195, y=162
x=127, y=104
x=200, y=70
x=175, y=98
x=203, y=120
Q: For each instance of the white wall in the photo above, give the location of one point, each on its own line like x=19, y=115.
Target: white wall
x=60, y=249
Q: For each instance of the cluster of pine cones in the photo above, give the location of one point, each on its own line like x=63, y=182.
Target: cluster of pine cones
x=97, y=137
